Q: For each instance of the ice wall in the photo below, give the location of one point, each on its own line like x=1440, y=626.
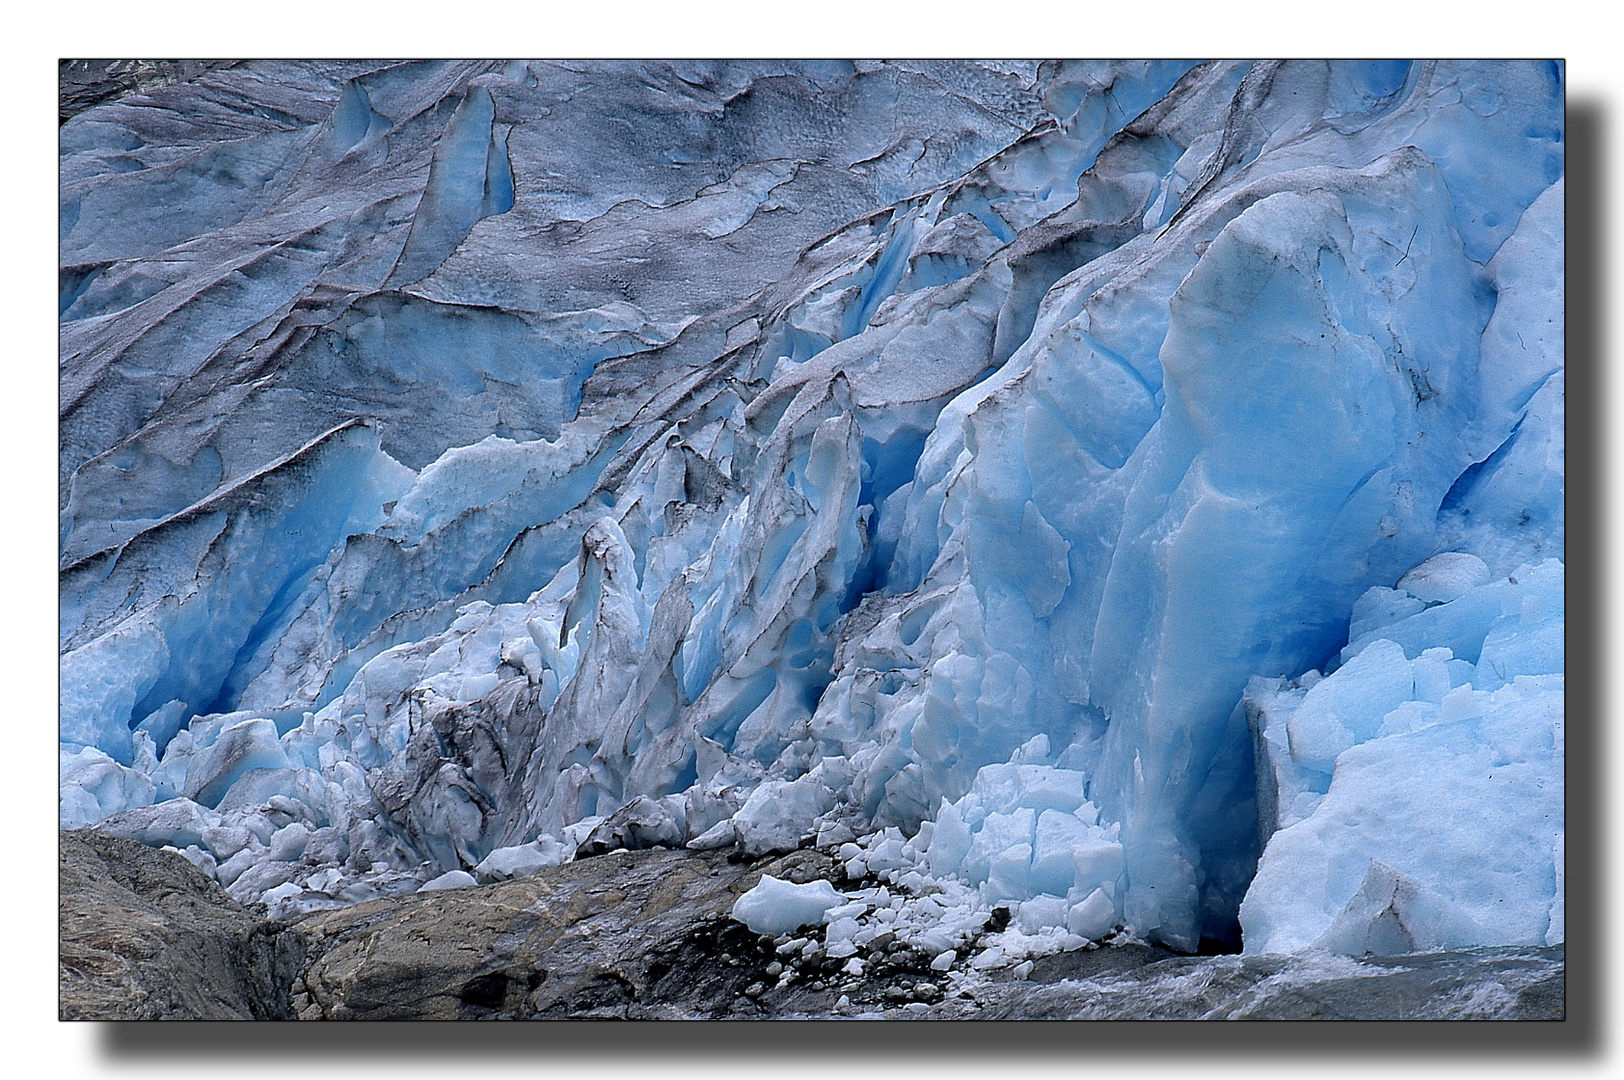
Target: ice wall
x=981, y=451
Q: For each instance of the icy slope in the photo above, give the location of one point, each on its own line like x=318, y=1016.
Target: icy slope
x=455, y=483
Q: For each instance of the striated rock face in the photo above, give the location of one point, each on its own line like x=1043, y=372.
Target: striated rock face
x=646, y=935
x=631, y=935
x=145, y=935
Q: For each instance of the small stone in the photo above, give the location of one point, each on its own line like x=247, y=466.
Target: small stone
x=881, y=941
x=775, y=969
x=755, y=989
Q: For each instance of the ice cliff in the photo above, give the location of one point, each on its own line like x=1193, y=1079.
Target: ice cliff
x=1130, y=493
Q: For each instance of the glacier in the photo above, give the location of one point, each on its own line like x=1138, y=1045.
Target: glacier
x=1125, y=494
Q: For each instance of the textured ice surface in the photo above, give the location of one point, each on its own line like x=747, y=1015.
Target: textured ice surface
x=778, y=907
x=470, y=466
x=1418, y=796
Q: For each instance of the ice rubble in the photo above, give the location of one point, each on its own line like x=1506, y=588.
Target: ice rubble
x=968, y=469
x=1417, y=790
x=773, y=906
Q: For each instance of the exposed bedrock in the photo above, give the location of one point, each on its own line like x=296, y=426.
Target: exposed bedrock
x=647, y=935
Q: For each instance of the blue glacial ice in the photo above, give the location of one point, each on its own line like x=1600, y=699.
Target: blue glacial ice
x=1130, y=494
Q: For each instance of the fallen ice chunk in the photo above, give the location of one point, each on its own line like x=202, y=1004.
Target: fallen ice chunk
x=1379, y=607
x=1026, y=833
x=779, y=813
x=993, y=957
x=779, y=907
x=246, y=745
x=1347, y=709
x=451, y=879
x=1040, y=911
x=1004, y=788
x=1465, y=809
x=1098, y=862
x=1391, y=914
x=289, y=842
x=1094, y=917
x=198, y=858
x=179, y=822
x=950, y=842
x=1059, y=835
x=520, y=860
x=641, y=823
x=886, y=854
x=1432, y=675
x=94, y=785
x=845, y=911
x=721, y=834
x=1445, y=577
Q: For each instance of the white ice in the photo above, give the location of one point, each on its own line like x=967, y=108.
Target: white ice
x=774, y=906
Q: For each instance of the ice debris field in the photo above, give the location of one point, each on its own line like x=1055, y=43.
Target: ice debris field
x=1096, y=501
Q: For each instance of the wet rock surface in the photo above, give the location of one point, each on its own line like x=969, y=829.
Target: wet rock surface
x=144, y=935
x=1487, y=984
x=626, y=934
x=647, y=935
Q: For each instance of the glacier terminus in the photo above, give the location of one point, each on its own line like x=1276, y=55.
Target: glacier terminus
x=1087, y=502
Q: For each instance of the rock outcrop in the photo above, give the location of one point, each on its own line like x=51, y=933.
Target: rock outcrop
x=145, y=935
x=647, y=935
